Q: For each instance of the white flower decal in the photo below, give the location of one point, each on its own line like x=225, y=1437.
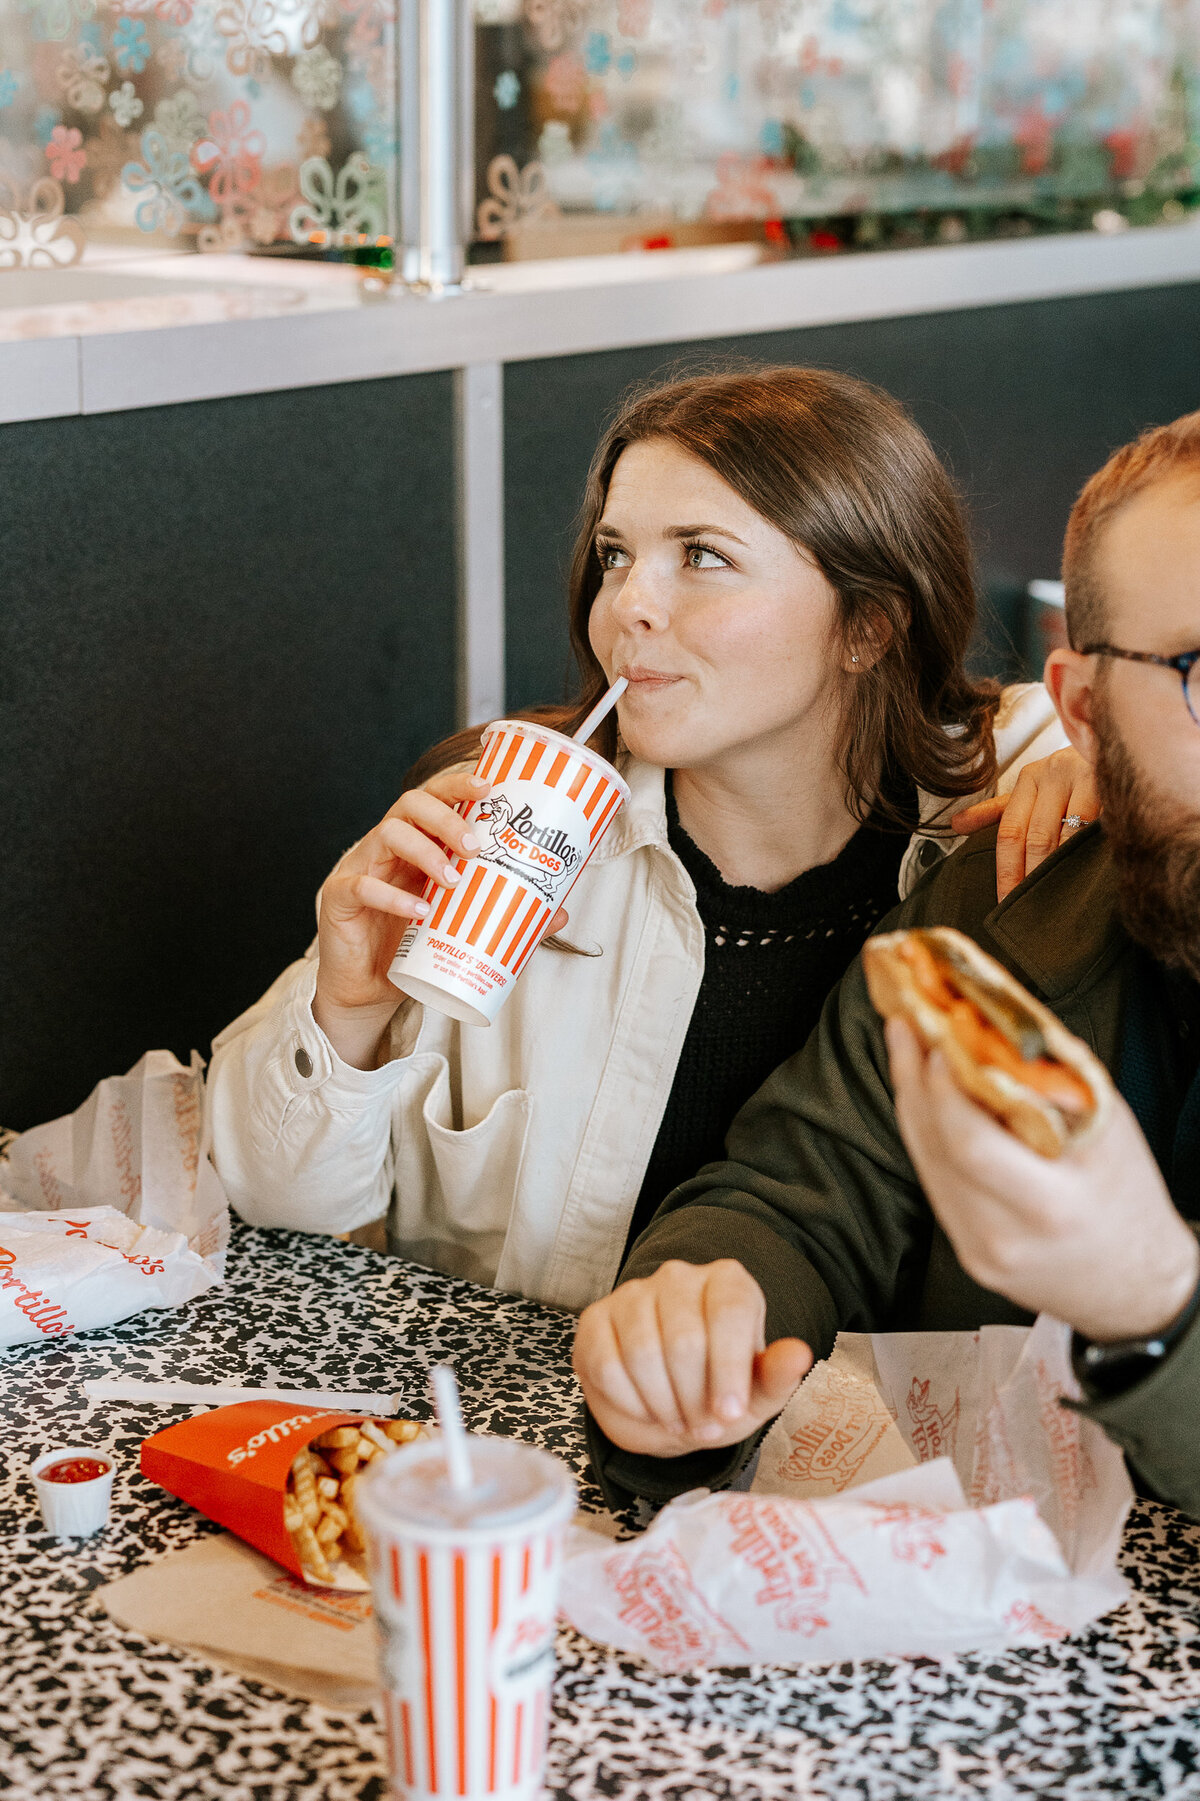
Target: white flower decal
x=516, y=194
x=83, y=76
x=317, y=78
x=125, y=105
x=33, y=232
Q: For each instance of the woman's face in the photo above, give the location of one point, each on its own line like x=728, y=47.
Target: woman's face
x=723, y=627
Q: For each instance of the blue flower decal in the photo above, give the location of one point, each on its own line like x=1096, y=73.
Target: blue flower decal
x=597, y=53
x=44, y=121
x=9, y=85
x=131, y=47
x=771, y=138
x=360, y=98
x=168, y=187
x=507, y=90
x=626, y=64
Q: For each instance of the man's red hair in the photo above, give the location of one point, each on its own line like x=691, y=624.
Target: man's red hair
x=1161, y=452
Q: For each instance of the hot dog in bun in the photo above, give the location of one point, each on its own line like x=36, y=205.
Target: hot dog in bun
x=1004, y=1048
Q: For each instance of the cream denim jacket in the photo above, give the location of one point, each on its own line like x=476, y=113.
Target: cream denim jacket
x=512, y=1155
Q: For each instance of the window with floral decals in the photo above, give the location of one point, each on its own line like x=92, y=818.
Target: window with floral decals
x=269, y=126
x=212, y=124
x=828, y=124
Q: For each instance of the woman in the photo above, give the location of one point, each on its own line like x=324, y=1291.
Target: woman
x=778, y=564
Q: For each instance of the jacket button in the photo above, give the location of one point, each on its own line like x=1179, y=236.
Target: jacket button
x=304, y=1062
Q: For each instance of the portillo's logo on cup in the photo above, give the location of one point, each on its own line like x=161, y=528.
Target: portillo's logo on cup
x=552, y=800
x=542, y=855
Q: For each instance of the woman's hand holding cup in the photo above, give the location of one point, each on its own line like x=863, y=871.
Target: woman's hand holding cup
x=371, y=898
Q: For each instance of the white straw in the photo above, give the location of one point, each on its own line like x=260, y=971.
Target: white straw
x=450, y=1419
x=601, y=710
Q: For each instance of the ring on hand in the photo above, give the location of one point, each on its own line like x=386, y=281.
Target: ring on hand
x=1074, y=820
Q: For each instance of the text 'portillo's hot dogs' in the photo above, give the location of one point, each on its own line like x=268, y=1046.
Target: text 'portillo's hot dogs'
x=1003, y=1048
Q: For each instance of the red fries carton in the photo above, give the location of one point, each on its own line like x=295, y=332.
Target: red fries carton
x=233, y=1464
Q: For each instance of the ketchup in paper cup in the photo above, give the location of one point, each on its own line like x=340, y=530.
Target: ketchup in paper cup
x=74, y=1488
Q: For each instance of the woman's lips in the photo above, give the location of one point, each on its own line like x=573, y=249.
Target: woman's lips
x=648, y=681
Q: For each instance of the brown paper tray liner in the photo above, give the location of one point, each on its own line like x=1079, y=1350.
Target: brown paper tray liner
x=224, y=1601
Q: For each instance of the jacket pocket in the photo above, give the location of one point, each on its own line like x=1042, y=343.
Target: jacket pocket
x=455, y=1187
x=477, y=1167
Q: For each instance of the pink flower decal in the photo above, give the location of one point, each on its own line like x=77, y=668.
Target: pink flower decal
x=234, y=153
x=633, y=16
x=566, y=82
x=65, y=153
x=741, y=191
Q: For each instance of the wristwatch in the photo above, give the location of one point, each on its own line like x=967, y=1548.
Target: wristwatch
x=1105, y=1370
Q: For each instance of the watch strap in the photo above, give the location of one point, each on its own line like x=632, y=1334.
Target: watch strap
x=1104, y=1370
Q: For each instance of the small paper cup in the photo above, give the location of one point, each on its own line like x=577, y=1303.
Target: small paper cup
x=73, y=1509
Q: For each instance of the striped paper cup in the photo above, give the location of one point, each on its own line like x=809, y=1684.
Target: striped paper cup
x=465, y=1590
x=551, y=802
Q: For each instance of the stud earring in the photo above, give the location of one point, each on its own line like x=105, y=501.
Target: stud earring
x=854, y=659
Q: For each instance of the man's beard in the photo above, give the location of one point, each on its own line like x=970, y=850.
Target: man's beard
x=1156, y=855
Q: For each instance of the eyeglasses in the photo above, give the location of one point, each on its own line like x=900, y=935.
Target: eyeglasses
x=1187, y=665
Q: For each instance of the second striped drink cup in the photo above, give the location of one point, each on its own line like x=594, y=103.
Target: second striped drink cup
x=464, y=1542
x=552, y=799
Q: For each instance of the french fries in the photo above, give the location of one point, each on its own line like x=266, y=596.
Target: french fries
x=318, y=1508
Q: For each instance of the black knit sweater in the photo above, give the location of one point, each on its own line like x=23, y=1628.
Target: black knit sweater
x=769, y=962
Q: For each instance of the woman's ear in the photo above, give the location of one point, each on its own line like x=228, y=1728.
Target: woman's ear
x=867, y=642
x=1070, y=680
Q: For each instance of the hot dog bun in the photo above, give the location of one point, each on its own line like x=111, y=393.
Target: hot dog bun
x=1004, y=1048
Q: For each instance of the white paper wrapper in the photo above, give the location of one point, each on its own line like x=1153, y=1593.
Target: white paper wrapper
x=982, y=1514
x=113, y=1208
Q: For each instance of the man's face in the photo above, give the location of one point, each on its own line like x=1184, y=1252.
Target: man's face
x=1148, y=763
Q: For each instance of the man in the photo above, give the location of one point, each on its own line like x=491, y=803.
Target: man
x=864, y=1191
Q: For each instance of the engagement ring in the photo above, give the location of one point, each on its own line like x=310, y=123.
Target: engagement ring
x=1074, y=820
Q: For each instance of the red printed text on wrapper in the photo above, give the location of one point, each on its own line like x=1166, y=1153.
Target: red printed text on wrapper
x=994, y=1473
x=797, y=1559
x=1024, y=1617
x=49, y=1319
x=1071, y=1469
x=916, y=1533
x=934, y=1429
x=834, y=1446
x=659, y=1600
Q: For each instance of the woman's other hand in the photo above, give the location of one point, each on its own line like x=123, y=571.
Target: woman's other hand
x=678, y=1362
x=1033, y=816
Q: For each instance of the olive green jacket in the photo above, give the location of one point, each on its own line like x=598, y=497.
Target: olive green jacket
x=819, y=1200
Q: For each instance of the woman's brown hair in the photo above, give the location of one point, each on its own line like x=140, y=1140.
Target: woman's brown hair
x=840, y=468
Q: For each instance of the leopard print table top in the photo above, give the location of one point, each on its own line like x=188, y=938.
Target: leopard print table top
x=88, y=1710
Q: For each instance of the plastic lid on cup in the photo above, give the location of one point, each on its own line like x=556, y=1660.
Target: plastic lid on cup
x=545, y=734
x=512, y=1484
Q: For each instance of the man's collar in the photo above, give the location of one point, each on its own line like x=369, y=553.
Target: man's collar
x=1061, y=927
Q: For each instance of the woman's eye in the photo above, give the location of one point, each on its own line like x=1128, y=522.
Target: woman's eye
x=611, y=556
x=702, y=556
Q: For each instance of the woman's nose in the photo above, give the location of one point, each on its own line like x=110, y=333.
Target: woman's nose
x=642, y=599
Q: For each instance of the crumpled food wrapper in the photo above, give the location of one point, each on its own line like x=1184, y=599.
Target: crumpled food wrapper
x=113, y=1208
x=922, y=1493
